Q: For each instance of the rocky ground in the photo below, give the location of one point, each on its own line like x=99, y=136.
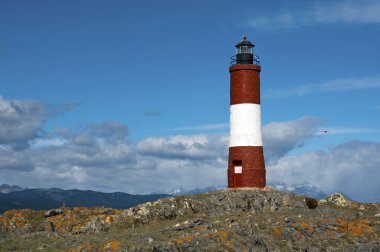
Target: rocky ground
x=226, y=220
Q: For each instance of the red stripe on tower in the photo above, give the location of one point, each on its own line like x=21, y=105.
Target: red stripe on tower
x=246, y=167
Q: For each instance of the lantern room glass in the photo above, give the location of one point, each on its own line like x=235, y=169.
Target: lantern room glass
x=244, y=49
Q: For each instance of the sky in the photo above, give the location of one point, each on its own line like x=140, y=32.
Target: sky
x=133, y=96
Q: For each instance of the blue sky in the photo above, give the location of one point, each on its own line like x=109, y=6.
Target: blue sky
x=140, y=90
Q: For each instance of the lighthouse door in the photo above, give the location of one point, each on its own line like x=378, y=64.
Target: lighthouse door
x=238, y=171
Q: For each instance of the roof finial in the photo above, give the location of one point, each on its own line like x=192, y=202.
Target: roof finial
x=244, y=37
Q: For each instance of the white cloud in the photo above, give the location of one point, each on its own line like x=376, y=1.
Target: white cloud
x=23, y=120
x=47, y=142
x=323, y=13
x=204, y=127
x=11, y=160
x=184, y=147
x=89, y=160
x=352, y=168
x=99, y=157
x=20, y=121
x=282, y=137
x=329, y=86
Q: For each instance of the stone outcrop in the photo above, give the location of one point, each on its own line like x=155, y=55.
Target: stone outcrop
x=226, y=220
x=338, y=199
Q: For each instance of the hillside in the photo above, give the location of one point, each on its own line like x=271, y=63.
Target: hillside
x=225, y=220
x=43, y=199
x=16, y=197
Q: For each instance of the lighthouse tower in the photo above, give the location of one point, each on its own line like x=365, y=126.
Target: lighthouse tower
x=246, y=166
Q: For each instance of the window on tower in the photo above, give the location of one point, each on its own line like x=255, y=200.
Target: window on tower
x=238, y=166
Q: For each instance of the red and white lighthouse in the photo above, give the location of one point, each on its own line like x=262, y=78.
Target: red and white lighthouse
x=246, y=167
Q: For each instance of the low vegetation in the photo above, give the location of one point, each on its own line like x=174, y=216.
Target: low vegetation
x=227, y=220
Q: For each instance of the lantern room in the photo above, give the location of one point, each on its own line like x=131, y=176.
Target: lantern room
x=244, y=52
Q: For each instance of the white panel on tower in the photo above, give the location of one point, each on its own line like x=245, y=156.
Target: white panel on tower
x=238, y=169
x=245, y=125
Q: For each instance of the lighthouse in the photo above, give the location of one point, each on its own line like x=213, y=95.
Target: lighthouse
x=246, y=167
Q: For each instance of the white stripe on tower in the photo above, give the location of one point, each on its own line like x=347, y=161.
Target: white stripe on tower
x=245, y=125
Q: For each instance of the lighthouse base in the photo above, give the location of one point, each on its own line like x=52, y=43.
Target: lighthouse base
x=246, y=167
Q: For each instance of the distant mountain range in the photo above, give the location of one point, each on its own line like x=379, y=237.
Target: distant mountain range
x=10, y=188
x=16, y=197
x=41, y=199
x=304, y=189
x=182, y=191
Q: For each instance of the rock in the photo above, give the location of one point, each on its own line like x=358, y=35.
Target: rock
x=338, y=199
x=42, y=246
x=53, y=212
x=112, y=246
x=288, y=220
x=311, y=203
x=229, y=220
x=358, y=214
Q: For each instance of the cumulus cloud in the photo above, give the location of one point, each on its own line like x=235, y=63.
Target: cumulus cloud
x=111, y=165
x=198, y=147
x=11, y=160
x=100, y=157
x=23, y=120
x=20, y=121
x=352, y=168
x=204, y=127
x=323, y=13
x=281, y=137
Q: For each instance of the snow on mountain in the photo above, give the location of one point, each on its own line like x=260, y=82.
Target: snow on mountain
x=303, y=188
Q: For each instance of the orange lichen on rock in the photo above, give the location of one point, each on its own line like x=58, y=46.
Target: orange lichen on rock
x=325, y=220
x=4, y=224
x=276, y=231
x=208, y=235
x=4, y=221
x=18, y=218
x=83, y=248
x=18, y=213
x=107, y=219
x=66, y=223
x=355, y=228
x=307, y=226
x=330, y=233
x=200, y=228
x=112, y=246
x=223, y=237
x=182, y=240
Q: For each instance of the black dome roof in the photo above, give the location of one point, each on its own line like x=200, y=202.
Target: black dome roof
x=244, y=42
